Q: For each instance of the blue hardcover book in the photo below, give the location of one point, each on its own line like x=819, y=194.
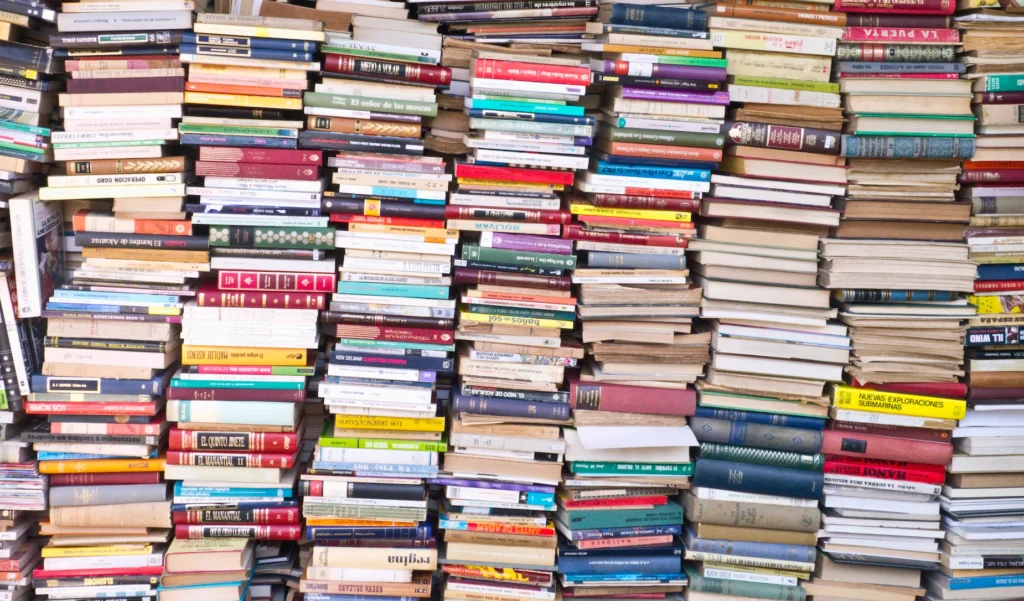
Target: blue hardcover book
x=421, y=532
x=626, y=532
x=116, y=296
x=252, y=52
x=509, y=407
x=758, y=479
x=620, y=564
x=55, y=456
x=638, y=170
x=535, y=117
x=659, y=16
x=758, y=417
x=153, y=386
x=399, y=290
x=802, y=553
x=190, y=37
x=244, y=141
x=1000, y=272
x=235, y=505
x=634, y=261
x=855, y=67
x=443, y=365
x=662, y=31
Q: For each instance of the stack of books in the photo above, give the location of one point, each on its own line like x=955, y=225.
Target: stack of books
x=108, y=527
x=887, y=451
x=207, y=569
x=21, y=548
x=904, y=101
x=532, y=25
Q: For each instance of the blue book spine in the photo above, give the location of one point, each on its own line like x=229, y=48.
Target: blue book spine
x=662, y=31
x=230, y=491
x=629, y=532
x=190, y=37
x=634, y=261
x=689, y=175
x=87, y=308
x=41, y=383
x=659, y=16
x=235, y=505
x=244, y=141
x=758, y=479
x=525, y=107
x=55, y=456
x=394, y=361
x=757, y=417
x=509, y=407
x=119, y=296
x=239, y=52
x=399, y=290
x=978, y=582
x=854, y=67
x=892, y=147
x=1000, y=272
x=655, y=162
x=775, y=551
x=527, y=116
x=582, y=579
x=622, y=564
x=368, y=533
x=539, y=498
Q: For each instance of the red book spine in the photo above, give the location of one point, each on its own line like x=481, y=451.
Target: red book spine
x=1002, y=98
x=230, y=394
x=14, y=565
x=560, y=217
x=900, y=35
x=534, y=577
x=686, y=202
x=111, y=478
x=343, y=218
x=993, y=165
x=258, y=170
x=949, y=390
x=421, y=335
x=46, y=408
x=311, y=488
x=887, y=470
x=253, y=531
x=470, y=276
x=337, y=63
x=848, y=444
x=189, y=440
x=225, y=459
x=652, y=500
x=993, y=175
x=152, y=429
x=514, y=71
x=144, y=571
x=901, y=7
x=998, y=285
x=518, y=174
x=273, y=280
x=925, y=434
x=208, y=296
x=575, y=232
x=273, y=515
x=278, y=156
x=631, y=399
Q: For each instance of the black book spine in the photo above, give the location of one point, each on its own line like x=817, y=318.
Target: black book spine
x=394, y=492
x=383, y=209
x=233, y=113
x=356, y=142
x=518, y=395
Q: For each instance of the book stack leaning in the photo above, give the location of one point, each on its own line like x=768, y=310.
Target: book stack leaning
x=887, y=451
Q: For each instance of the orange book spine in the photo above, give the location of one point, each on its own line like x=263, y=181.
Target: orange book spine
x=224, y=88
x=682, y=153
x=990, y=165
x=786, y=15
x=86, y=221
x=101, y=466
x=344, y=522
x=364, y=126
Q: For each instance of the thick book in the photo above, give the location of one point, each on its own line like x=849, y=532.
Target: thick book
x=768, y=436
x=758, y=479
x=596, y=396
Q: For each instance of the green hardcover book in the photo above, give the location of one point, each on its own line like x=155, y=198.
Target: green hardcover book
x=111, y=144
x=384, y=445
x=740, y=588
x=516, y=312
x=230, y=130
x=472, y=252
x=360, y=103
x=670, y=138
x=608, y=468
x=237, y=384
x=1009, y=82
x=386, y=56
x=662, y=515
x=271, y=237
x=727, y=452
x=784, y=84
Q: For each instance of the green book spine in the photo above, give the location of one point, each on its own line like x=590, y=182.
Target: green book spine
x=785, y=84
x=693, y=61
x=739, y=588
x=359, y=103
x=726, y=452
x=189, y=128
x=32, y=149
x=237, y=384
x=387, y=56
x=671, y=138
x=471, y=252
x=631, y=469
x=32, y=129
x=664, y=515
x=514, y=312
x=271, y=237
x=383, y=445
x=111, y=144
x=1012, y=82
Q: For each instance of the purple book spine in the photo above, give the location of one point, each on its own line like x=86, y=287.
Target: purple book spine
x=491, y=485
x=720, y=98
x=667, y=71
x=530, y=243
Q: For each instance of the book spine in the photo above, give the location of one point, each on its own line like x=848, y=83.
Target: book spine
x=575, y=232
x=230, y=459
x=76, y=496
x=758, y=479
x=476, y=276
x=781, y=552
x=200, y=440
x=115, y=345
x=333, y=533
x=895, y=53
x=740, y=588
x=276, y=300
x=62, y=480
x=456, y=212
x=495, y=255
x=256, y=170
x=144, y=241
x=338, y=317
x=230, y=394
x=272, y=515
x=885, y=447
x=270, y=281
x=907, y=147
x=862, y=399
x=802, y=139
x=613, y=565
x=757, y=456
x=366, y=127
x=896, y=20
x=130, y=84
x=250, y=531
x=658, y=16
x=586, y=520
x=515, y=71
x=630, y=399
x=884, y=469
x=351, y=65
x=909, y=35
x=777, y=419
x=509, y=407
x=925, y=7
x=766, y=436
x=752, y=515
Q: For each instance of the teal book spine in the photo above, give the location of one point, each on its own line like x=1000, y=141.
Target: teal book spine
x=400, y=290
x=237, y=384
x=526, y=107
x=1010, y=82
x=472, y=252
x=663, y=515
x=514, y=312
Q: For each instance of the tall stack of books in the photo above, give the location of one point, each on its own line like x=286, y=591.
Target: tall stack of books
x=213, y=569
x=887, y=451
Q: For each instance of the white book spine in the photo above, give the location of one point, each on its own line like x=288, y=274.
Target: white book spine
x=867, y=417
x=336, y=455
x=391, y=395
x=227, y=194
x=536, y=159
x=65, y=137
x=782, y=96
x=524, y=147
x=84, y=113
x=717, y=494
x=14, y=337
x=358, y=575
x=657, y=124
x=626, y=181
x=276, y=185
x=374, y=373
x=116, y=152
x=258, y=220
x=69, y=181
x=349, y=88
x=749, y=577
x=347, y=241
x=614, y=247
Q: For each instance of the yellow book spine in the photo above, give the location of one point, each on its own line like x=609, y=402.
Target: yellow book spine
x=348, y=522
x=259, y=32
x=406, y=424
x=629, y=49
x=101, y=466
x=516, y=321
x=679, y=216
x=863, y=399
x=192, y=354
x=95, y=551
x=264, y=102
x=997, y=305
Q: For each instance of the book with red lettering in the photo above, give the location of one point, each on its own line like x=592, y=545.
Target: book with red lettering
x=901, y=35
x=686, y=201
x=258, y=170
x=226, y=459
x=76, y=408
x=271, y=515
x=454, y=212
x=395, y=334
x=575, y=232
x=252, y=531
